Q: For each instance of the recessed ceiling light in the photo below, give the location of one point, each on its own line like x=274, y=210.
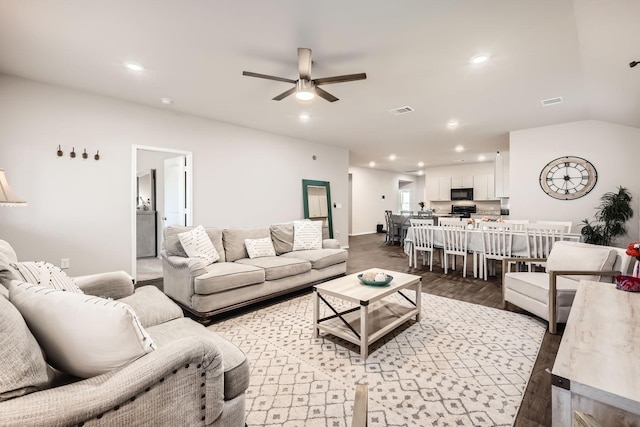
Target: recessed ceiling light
x=372, y=164
x=479, y=59
x=420, y=164
x=482, y=158
x=452, y=124
x=304, y=117
x=459, y=148
x=134, y=66
x=392, y=157
x=166, y=101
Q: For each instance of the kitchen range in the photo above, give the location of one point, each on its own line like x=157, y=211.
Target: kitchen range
x=463, y=211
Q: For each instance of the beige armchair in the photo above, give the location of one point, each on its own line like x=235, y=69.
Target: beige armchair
x=549, y=294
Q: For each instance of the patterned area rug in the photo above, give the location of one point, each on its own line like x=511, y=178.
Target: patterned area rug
x=461, y=365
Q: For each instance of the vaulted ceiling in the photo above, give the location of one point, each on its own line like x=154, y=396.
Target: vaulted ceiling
x=415, y=53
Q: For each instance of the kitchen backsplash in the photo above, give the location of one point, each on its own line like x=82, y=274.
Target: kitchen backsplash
x=482, y=207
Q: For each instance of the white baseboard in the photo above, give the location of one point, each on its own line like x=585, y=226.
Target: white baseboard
x=366, y=232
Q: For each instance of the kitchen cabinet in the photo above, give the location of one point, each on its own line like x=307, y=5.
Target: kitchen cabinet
x=439, y=189
x=501, y=173
x=483, y=187
x=461, y=182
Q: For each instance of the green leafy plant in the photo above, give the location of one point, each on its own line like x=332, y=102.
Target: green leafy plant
x=610, y=218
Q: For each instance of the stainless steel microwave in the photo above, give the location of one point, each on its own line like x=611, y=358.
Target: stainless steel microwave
x=462, y=194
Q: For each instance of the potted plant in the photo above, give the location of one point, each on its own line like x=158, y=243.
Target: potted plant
x=612, y=214
x=421, y=204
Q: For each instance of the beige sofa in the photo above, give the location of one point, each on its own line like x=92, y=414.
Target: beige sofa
x=236, y=280
x=193, y=377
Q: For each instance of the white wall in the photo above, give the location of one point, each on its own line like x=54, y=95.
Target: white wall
x=614, y=150
x=81, y=209
x=367, y=188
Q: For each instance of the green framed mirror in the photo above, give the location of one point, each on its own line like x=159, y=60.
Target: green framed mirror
x=316, y=200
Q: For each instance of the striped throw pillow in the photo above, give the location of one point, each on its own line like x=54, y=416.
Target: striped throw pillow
x=197, y=244
x=257, y=248
x=307, y=235
x=45, y=274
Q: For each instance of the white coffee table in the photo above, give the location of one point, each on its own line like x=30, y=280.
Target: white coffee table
x=376, y=316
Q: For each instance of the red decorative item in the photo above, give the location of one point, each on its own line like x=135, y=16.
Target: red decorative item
x=628, y=283
x=634, y=250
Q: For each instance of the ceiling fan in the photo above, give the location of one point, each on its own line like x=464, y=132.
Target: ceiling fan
x=306, y=88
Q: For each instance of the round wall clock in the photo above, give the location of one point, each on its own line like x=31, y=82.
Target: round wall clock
x=568, y=178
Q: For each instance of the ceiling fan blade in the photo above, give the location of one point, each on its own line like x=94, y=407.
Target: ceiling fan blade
x=324, y=94
x=285, y=94
x=265, y=76
x=340, y=79
x=304, y=63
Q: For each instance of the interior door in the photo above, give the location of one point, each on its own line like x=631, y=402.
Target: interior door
x=175, y=184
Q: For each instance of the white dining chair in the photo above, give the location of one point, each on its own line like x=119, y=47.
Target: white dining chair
x=422, y=241
x=454, y=237
x=566, y=224
x=497, y=241
x=517, y=224
x=540, y=239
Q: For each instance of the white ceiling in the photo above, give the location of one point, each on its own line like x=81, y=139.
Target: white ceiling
x=415, y=53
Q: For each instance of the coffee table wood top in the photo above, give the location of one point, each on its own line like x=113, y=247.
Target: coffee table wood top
x=349, y=288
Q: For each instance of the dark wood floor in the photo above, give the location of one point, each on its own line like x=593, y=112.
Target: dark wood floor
x=369, y=251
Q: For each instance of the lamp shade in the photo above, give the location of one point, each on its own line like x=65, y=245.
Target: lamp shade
x=7, y=198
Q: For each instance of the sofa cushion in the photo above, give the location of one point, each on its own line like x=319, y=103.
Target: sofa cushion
x=233, y=239
x=282, y=237
x=152, y=306
x=81, y=335
x=45, y=274
x=307, y=235
x=223, y=276
x=234, y=361
x=174, y=248
x=257, y=248
x=23, y=369
x=581, y=256
x=197, y=244
x=277, y=267
x=320, y=258
x=536, y=286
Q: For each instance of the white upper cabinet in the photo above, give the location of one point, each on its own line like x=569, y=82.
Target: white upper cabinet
x=462, y=182
x=501, y=173
x=483, y=187
x=439, y=188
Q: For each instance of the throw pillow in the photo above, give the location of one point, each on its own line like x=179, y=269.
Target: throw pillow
x=282, y=237
x=307, y=235
x=81, y=335
x=197, y=244
x=23, y=368
x=257, y=248
x=45, y=274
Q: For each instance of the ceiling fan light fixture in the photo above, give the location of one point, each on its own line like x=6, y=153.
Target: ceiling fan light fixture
x=304, y=90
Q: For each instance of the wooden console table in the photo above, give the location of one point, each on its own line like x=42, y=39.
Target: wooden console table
x=597, y=368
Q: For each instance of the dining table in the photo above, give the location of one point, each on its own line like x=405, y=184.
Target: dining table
x=519, y=247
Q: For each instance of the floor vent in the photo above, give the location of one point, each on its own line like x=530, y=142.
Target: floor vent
x=401, y=110
x=552, y=101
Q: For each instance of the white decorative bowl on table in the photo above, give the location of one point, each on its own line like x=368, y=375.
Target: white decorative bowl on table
x=375, y=279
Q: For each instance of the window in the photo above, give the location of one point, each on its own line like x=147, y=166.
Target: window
x=405, y=200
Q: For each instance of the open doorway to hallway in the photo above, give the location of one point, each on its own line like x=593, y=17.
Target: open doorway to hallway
x=162, y=194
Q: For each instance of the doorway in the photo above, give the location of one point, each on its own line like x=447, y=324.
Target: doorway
x=172, y=204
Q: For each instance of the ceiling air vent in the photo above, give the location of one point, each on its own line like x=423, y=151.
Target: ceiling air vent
x=552, y=101
x=401, y=110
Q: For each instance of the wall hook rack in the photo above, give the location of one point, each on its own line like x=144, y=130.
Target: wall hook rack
x=85, y=155
x=73, y=153
x=97, y=156
x=59, y=153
